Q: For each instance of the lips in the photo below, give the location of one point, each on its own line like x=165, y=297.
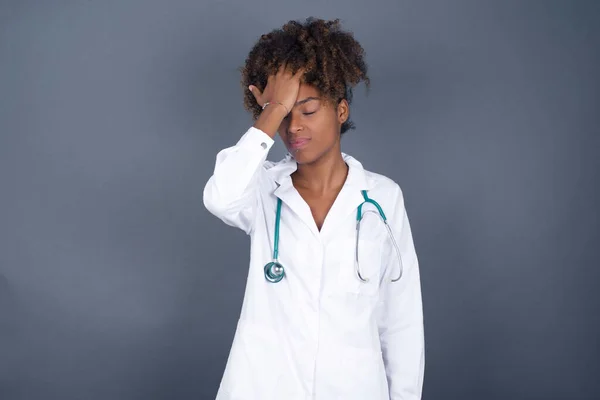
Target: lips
x=299, y=143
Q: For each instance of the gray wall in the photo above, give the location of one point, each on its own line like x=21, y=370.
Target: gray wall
x=116, y=283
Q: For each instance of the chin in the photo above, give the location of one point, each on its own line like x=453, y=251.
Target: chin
x=303, y=157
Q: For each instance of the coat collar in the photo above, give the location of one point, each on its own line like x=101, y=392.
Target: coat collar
x=283, y=170
x=347, y=201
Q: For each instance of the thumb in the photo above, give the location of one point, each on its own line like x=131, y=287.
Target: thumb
x=256, y=93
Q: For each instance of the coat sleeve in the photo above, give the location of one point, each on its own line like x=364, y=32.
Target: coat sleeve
x=232, y=191
x=400, y=312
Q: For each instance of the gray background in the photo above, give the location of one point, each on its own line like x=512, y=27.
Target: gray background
x=116, y=283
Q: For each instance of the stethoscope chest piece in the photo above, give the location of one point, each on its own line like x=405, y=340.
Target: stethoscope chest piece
x=274, y=272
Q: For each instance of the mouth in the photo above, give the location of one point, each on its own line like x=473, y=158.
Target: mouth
x=299, y=143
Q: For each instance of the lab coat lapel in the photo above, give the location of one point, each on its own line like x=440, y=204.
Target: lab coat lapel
x=345, y=204
x=288, y=193
x=350, y=197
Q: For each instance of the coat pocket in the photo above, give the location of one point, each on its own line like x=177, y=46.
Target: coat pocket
x=369, y=266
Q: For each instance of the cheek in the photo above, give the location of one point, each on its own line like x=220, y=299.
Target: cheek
x=328, y=130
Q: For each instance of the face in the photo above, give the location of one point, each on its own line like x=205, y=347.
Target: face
x=312, y=128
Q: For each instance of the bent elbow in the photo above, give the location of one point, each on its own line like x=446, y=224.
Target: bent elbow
x=211, y=199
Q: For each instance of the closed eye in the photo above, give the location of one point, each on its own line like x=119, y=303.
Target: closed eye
x=304, y=113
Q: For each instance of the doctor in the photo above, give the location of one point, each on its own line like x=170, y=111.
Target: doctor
x=314, y=323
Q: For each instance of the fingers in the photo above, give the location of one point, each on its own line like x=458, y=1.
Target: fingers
x=256, y=93
x=285, y=70
x=283, y=84
x=282, y=69
x=298, y=75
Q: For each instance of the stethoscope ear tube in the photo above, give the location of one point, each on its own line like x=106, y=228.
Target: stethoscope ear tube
x=393, y=239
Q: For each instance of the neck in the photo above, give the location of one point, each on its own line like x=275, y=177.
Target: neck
x=326, y=174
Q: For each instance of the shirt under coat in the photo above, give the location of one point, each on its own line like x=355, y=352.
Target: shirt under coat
x=319, y=333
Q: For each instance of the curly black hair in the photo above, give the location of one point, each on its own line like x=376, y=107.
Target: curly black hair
x=333, y=59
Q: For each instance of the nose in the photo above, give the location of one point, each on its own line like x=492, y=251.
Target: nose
x=294, y=123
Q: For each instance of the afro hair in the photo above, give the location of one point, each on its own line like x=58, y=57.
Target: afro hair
x=334, y=61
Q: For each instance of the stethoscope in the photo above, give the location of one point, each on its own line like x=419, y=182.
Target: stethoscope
x=274, y=271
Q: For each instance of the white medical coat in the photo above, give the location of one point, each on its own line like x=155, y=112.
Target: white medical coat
x=319, y=333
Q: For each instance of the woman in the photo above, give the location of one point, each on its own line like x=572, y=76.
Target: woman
x=312, y=324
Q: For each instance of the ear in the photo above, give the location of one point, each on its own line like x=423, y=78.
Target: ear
x=343, y=111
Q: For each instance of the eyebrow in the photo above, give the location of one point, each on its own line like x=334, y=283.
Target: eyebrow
x=306, y=100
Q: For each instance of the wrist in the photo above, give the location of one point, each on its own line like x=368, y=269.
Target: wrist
x=270, y=118
x=273, y=104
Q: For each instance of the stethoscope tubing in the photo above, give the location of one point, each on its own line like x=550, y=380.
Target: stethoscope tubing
x=275, y=272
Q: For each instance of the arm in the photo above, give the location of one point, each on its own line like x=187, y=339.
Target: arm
x=231, y=193
x=400, y=313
